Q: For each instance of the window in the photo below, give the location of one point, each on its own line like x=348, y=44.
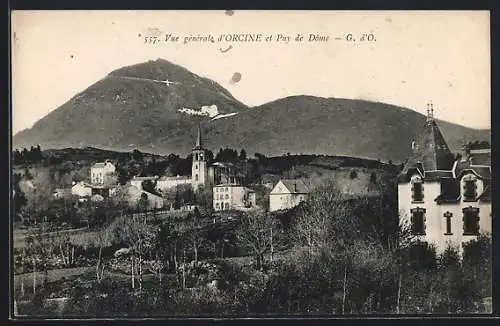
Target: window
x=417, y=190
x=227, y=189
x=196, y=157
x=217, y=206
x=471, y=220
x=196, y=166
x=448, y=217
x=418, y=221
x=227, y=196
x=227, y=205
x=195, y=177
x=470, y=188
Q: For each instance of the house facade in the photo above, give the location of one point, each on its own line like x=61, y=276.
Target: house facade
x=445, y=201
x=166, y=183
x=288, y=193
x=233, y=196
x=101, y=173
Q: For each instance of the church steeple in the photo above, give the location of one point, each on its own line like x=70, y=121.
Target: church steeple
x=199, y=140
x=199, y=170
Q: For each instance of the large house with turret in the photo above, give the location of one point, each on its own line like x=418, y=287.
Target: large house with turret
x=446, y=200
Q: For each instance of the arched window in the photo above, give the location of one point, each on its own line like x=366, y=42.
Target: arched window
x=227, y=196
x=195, y=177
x=227, y=206
x=417, y=189
x=196, y=166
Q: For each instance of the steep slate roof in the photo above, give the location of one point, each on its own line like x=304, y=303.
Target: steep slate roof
x=429, y=150
x=296, y=186
x=480, y=159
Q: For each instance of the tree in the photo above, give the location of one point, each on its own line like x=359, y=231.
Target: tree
x=140, y=237
x=137, y=155
x=353, y=174
x=255, y=233
x=325, y=217
x=243, y=155
x=193, y=233
x=149, y=186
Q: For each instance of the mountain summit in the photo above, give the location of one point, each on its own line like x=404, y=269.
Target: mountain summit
x=156, y=106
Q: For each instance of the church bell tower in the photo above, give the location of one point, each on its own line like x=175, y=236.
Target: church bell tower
x=199, y=172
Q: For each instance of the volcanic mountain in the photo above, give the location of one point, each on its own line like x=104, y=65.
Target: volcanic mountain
x=155, y=107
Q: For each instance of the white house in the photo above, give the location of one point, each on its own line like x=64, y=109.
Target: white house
x=134, y=194
x=233, y=196
x=81, y=189
x=288, y=193
x=100, y=173
x=445, y=201
x=165, y=183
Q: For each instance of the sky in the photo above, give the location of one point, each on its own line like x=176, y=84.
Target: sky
x=418, y=56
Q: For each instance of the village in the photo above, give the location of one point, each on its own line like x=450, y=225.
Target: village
x=183, y=232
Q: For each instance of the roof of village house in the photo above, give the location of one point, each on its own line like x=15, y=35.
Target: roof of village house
x=296, y=186
x=145, y=178
x=101, y=164
x=82, y=183
x=62, y=190
x=223, y=164
x=429, y=149
x=178, y=177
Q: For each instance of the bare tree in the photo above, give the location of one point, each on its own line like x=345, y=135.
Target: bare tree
x=255, y=234
x=323, y=214
x=140, y=237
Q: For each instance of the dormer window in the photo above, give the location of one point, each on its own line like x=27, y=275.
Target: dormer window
x=417, y=189
x=470, y=188
x=418, y=221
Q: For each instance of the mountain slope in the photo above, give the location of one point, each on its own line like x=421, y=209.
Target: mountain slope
x=156, y=106
x=307, y=124
x=131, y=107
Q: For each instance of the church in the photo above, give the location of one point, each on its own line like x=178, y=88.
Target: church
x=446, y=200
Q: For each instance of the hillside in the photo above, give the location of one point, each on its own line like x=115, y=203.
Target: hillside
x=307, y=124
x=155, y=107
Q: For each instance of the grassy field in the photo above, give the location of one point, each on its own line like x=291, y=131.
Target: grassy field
x=80, y=237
